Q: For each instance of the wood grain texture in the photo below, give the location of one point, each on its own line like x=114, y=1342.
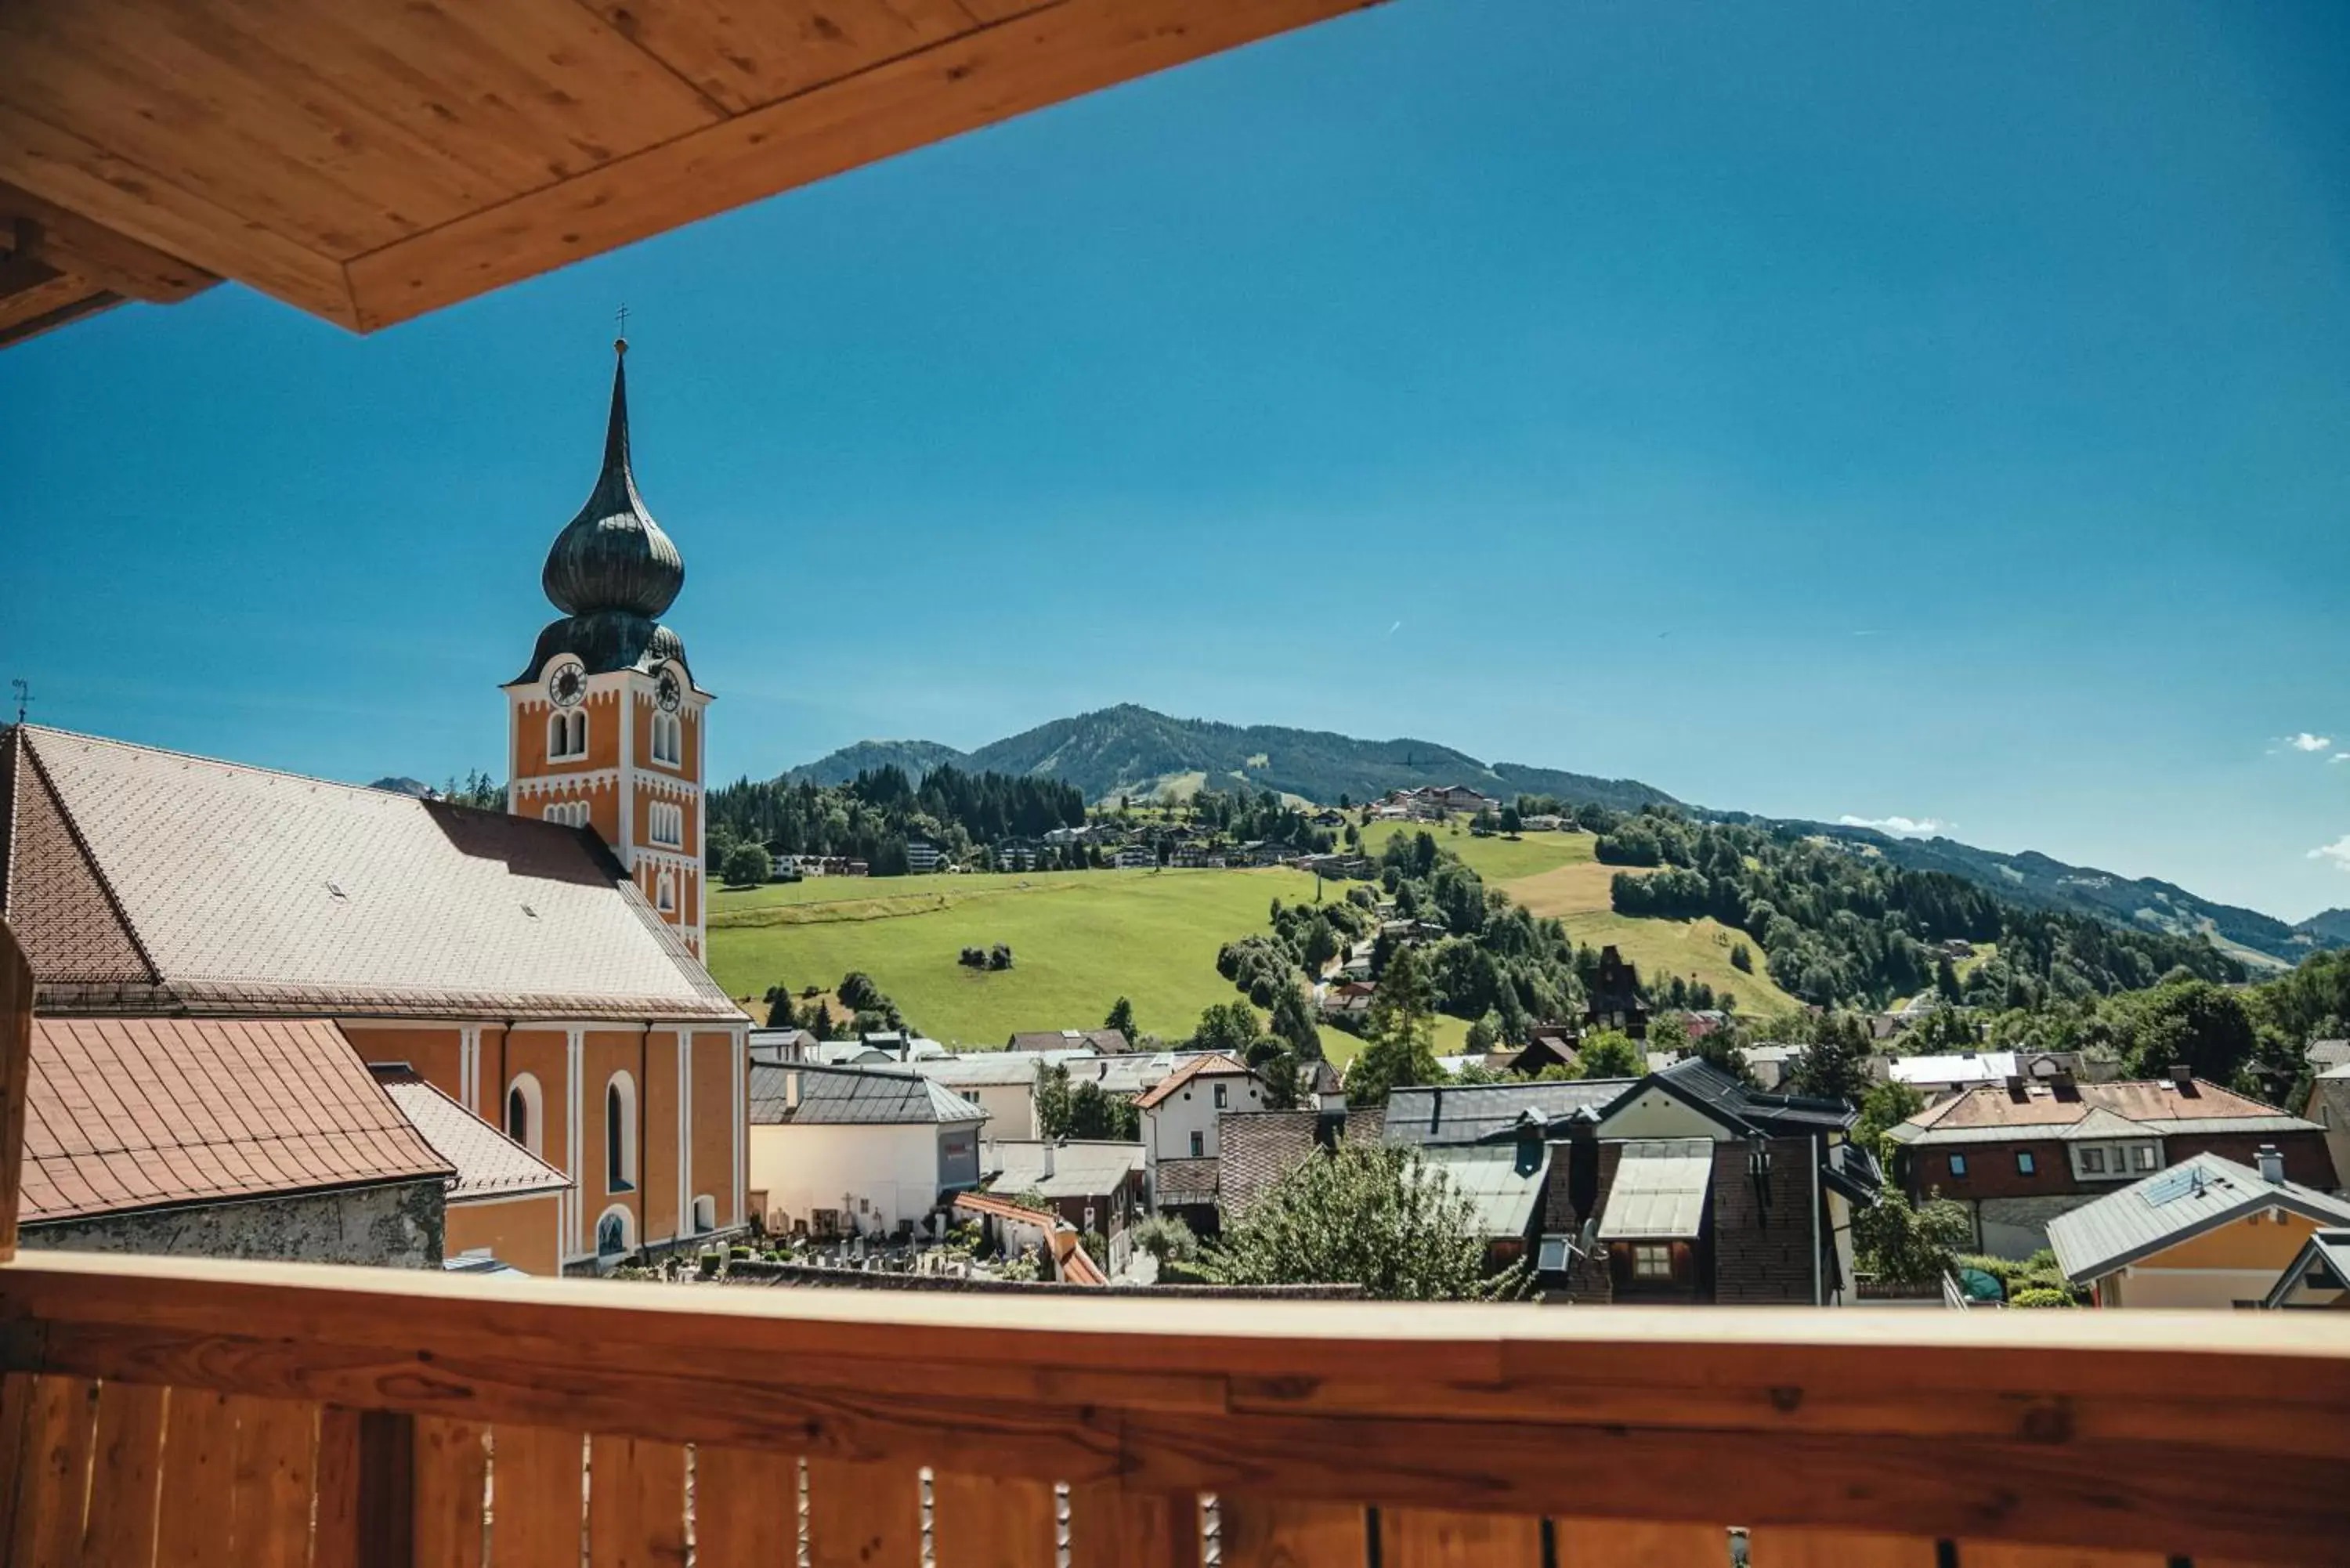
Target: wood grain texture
x=747, y=1508
x=2006, y=1554
x=126, y=1474
x=992, y=1521
x=1435, y=1538
x=970, y=79
x=742, y=57
x=53, y=1473
x=108, y=260
x=271, y=1482
x=1611, y=1543
x=195, y=1520
x=451, y=1471
x=539, y=1498
x=1851, y=1409
x=636, y=1503
x=1778, y=1547
x=1112, y=1526
x=15, y=1059
x=863, y=1516
x=1259, y=1532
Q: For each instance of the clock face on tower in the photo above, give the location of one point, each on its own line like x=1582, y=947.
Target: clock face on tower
x=566, y=683
x=669, y=692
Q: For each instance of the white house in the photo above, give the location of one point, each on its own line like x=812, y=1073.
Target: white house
x=856, y=1148
x=1001, y=1082
x=1179, y=1126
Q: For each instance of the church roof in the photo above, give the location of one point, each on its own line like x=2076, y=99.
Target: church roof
x=612, y=572
x=146, y=881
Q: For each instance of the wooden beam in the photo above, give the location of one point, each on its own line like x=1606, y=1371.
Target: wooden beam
x=16, y=1058
x=2104, y=1431
x=110, y=260
x=976, y=78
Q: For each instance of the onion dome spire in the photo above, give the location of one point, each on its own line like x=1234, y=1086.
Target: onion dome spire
x=613, y=555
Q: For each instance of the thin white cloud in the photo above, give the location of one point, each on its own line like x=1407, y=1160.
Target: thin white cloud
x=1900, y=827
x=2305, y=741
x=2338, y=852
x=2341, y=756
x=1395, y=629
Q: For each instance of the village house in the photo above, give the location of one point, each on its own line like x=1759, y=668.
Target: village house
x=1099, y=1186
x=2318, y=1276
x=2328, y=1105
x=1095, y=1042
x=864, y=1150
x=1614, y=999
x=2205, y=1232
x=2022, y=1153
x=1938, y=1077
x=923, y=856
x=225, y=1139
x=1001, y=1082
x=1180, y=1136
x=1019, y=853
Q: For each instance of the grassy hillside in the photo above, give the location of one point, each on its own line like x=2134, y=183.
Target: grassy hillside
x=1080, y=940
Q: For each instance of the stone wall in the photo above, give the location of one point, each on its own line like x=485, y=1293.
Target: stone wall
x=396, y=1226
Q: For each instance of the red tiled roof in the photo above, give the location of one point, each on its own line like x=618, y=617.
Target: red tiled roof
x=2144, y=1100
x=143, y=882
x=1078, y=1269
x=1005, y=1209
x=489, y=1164
x=152, y=1113
x=1214, y=1065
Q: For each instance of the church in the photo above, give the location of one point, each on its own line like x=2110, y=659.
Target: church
x=540, y=967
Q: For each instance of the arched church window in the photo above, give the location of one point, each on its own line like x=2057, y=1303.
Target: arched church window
x=621, y=1134
x=566, y=734
x=524, y=1119
x=612, y=1233
x=665, y=895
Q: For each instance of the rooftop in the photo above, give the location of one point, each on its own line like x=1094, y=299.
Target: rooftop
x=488, y=1163
x=858, y=1096
x=2198, y=1194
x=1990, y=1113
x=1472, y=1113
x=1214, y=1065
x=159, y=1113
x=143, y=881
x=1081, y=1167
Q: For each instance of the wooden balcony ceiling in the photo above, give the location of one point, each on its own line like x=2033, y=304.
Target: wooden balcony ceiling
x=371, y=163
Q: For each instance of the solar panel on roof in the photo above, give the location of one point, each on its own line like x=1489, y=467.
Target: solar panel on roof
x=2172, y=1185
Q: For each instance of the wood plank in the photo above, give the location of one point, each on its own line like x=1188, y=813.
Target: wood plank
x=111, y=261
x=53, y=1485
x=15, y=1407
x=972, y=80
x=538, y=1497
x=1436, y=1538
x=863, y=1515
x=992, y=1521
x=125, y=1477
x=451, y=1471
x=742, y=57
x=271, y=1482
x=636, y=1503
x=1613, y=1543
x=196, y=1518
x=131, y=200
x=1781, y=1547
x=16, y=1070
x=746, y=1507
x=1259, y=1532
x=2007, y=1554
x=1111, y=1527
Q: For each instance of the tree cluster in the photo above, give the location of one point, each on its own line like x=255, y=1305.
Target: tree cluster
x=1369, y=1215
x=873, y=817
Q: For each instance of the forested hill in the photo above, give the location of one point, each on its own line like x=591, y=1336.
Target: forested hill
x=1132, y=750
x=2140, y=903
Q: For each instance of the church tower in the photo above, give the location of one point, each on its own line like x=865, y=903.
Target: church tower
x=606, y=722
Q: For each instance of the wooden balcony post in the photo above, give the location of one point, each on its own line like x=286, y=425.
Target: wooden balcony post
x=366, y=1488
x=16, y=1062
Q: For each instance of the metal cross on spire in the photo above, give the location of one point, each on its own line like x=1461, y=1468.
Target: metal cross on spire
x=23, y=691
x=622, y=316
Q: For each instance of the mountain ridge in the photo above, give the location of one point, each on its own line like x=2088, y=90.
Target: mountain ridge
x=1132, y=750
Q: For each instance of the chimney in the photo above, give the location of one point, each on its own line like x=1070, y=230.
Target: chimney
x=2182, y=1077
x=2015, y=1089
x=2272, y=1163
x=791, y=1091
x=1436, y=1109
x=1049, y=1147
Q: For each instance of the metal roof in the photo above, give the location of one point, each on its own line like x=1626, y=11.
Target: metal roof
x=1435, y=1114
x=1504, y=1192
x=2198, y=1194
x=1747, y=1110
x=2329, y=1249
x=1660, y=1189
x=861, y=1095
x=1081, y=1168
x=489, y=1164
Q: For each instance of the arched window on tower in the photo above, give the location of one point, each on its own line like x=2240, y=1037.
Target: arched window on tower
x=668, y=739
x=621, y=1134
x=665, y=893
x=665, y=823
x=566, y=734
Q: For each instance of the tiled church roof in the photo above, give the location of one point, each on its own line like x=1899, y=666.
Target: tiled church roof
x=145, y=881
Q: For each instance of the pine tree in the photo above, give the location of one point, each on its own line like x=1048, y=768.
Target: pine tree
x=1121, y=1018
x=1401, y=1028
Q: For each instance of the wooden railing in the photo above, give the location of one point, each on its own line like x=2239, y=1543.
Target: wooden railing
x=202, y=1412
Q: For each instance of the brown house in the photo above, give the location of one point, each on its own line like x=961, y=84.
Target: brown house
x=2021, y=1153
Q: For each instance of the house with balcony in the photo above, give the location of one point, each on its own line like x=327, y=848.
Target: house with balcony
x=2023, y=1152
x=2205, y=1232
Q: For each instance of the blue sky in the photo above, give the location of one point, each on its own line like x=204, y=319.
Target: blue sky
x=1932, y=412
